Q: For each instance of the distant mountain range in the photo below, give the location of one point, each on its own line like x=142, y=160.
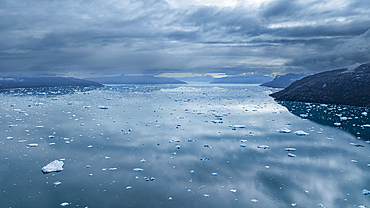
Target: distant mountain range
x=250, y=79
x=135, y=80
x=32, y=82
x=283, y=81
x=347, y=86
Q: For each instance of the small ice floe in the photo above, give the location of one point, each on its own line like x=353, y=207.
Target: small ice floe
x=54, y=166
x=243, y=145
x=214, y=174
x=366, y=125
x=206, y=195
x=233, y=190
x=337, y=124
x=290, y=149
x=263, y=146
x=32, y=145
x=137, y=169
x=57, y=183
x=64, y=204
x=254, y=200
x=170, y=198
x=284, y=130
x=365, y=192
x=217, y=121
x=192, y=140
x=240, y=126
x=149, y=178
x=287, y=123
x=9, y=138
x=103, y=107
x=128, y=187
x=112, y=169
x=267, y=167
x=329, y=138
x=142, y=160
x=321, y=205
x=306, y=191
x=301, y=133
x=294, y=204
x=364, y=113
x=292, y=155
x=204, y=159
x=354, y=161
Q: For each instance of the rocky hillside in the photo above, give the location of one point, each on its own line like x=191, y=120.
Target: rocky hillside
x=348, y=86
x=283, y=81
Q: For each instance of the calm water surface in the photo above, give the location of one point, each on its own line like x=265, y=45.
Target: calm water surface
x=166, y=131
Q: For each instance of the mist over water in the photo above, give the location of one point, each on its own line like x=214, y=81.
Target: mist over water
x=194, y=145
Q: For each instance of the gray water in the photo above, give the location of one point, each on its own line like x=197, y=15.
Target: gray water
x=167, y=130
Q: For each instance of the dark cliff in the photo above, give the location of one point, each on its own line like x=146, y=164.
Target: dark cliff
x=342, y=86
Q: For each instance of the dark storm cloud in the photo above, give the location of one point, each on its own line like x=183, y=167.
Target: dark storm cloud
x=82, y=38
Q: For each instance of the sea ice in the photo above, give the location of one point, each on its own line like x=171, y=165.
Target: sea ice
x=291, y=155
x=366, y=192
x=64, y=204
x=301, y=133
x=149, y=178
x=57, y=183
x=138, y=169
x=239, y=126
x=290, y=149
x=33, y=145
x=263, y=146
x=284, y=130
x=54, y=166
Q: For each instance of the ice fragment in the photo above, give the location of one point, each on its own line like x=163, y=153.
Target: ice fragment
x=64, y=204
x=365, y=192
x=54, y=166
x=301, y=133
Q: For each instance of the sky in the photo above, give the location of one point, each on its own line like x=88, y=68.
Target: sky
x=89, y=38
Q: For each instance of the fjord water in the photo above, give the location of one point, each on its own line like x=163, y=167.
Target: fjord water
x=195, y=145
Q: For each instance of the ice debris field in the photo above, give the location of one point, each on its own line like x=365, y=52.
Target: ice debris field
x=179, y=146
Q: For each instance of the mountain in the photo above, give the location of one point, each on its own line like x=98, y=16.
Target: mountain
x=197, y=79
x=348, y=86
x=135, y=80
x=250, y=79
x=283, y=81
x=33, y=82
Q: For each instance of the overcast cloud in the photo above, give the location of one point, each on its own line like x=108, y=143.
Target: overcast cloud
x=84, y=38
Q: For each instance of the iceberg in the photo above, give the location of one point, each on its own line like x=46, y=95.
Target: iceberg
x=301, y=133
x=54, y=166
x=284, y=130
x=366, y=192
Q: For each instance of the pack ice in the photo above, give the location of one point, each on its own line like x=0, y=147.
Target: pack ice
x=54, y=166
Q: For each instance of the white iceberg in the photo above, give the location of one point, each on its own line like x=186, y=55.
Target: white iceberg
x=239, y=126
x=54, y=166
x=284, y=130
x=301, y=133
